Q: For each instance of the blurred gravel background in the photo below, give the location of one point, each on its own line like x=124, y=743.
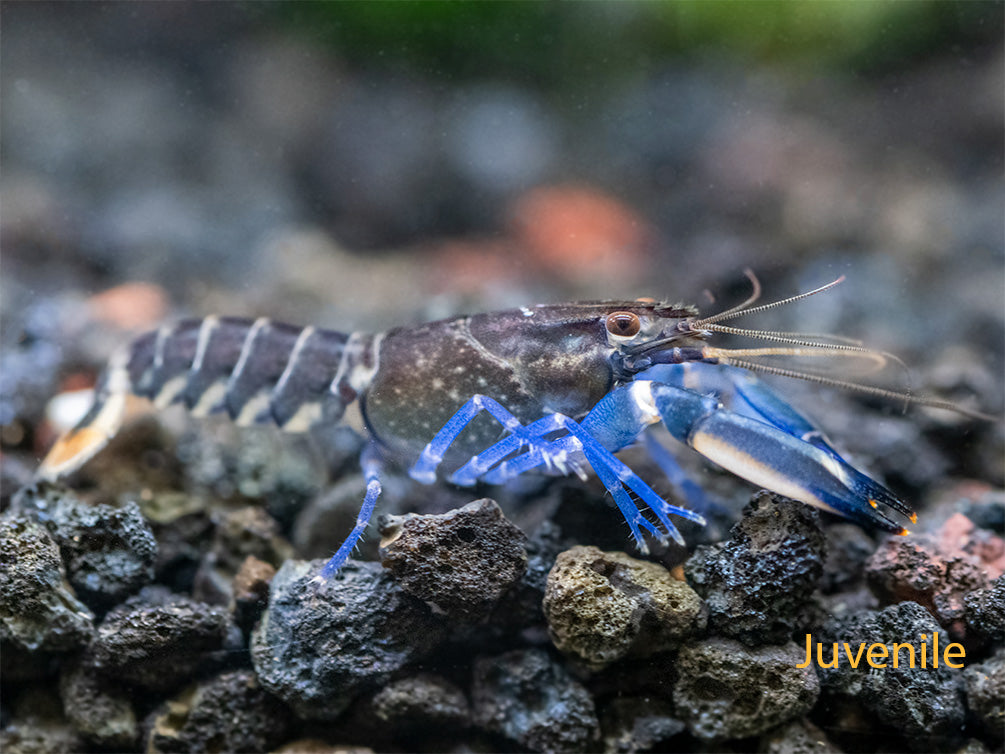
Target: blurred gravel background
x=357, y=166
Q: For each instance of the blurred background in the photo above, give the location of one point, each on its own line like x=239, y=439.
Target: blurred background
x=360, y=165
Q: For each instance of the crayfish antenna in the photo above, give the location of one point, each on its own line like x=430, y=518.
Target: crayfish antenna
x=909, y=400
x=742, y=309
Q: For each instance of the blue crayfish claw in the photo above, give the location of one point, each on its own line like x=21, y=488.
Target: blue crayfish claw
x=777, y=460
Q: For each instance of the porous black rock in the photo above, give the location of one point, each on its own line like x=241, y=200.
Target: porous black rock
x=100, y=709
x=249, y=531
x=522, y=604
x=604, y=606
x=757, y=583
x=229, y=712
x=462, y=561
x=109, y=552
x=158, y=640
x=34, y=736
x=33, y=723
x=421, y=701
x=728, y=690
x=985, y=688
x=916, y=569
x=322, y=642
x=639, y=723
x=529, y=698
x=38, y=608
x=239, y=534
x=924, y=704
x=985, y=609
x=848, y=548
x=797, y=737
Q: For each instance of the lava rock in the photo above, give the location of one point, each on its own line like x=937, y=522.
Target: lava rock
x=985, y=687
x=527, y=697
x=184, y=529
x=521, y=605
x=985, y=609
x=727, y=690
x=322, y=642
x=158, y=640
x=916, y=570
x=243, y=533
x=109, y=552
x=848, y=548
x=317, y=746
x=797, y=737
x=230, y=712
x=249, y=531
x=35, y=724
x=924, y=704
x=461, y=562
x=604, y=606
x=38, y=608
x=251, y=591
x=421, y=701
x=635, y=724
x=101, y=711
x=987, y=511
x=757, y=583
x=39, y=737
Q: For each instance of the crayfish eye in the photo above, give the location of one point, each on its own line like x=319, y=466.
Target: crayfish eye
x=623, y=324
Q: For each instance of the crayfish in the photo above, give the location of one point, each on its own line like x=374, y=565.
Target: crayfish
x=552, y=387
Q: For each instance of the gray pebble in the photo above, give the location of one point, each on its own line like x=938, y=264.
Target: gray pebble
x=230, y=712
x=924, y=704
x=461, y=562
x=321, y=643
x=158, y=640
x=604, y=606
x=38, y=608
x=727, y=690
x=757, y=583
x=100, y=710
x=985, y=687
x=527, y=697
x=109, y=552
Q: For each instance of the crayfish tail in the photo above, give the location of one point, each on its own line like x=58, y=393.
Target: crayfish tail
x=257, y=371
x=74, y=448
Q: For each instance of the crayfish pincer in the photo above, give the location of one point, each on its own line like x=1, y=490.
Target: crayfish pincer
x=490, y=396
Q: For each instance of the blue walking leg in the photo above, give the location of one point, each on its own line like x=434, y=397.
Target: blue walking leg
x=424, y=469
x=613, y=473
x=688, y=488
x=478, y=466
x=371, y=463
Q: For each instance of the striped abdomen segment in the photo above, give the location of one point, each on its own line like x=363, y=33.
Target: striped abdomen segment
x=255, y=370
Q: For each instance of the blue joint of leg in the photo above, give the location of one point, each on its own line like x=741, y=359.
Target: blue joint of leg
x=424, y=469
x=601, y=458
x=371, y=463
x=478, y=466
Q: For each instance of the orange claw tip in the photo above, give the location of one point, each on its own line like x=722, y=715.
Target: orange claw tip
x=903, y=532
x=874, y=504
x=914, y=518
